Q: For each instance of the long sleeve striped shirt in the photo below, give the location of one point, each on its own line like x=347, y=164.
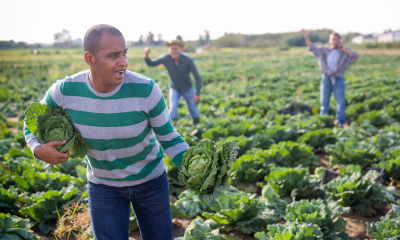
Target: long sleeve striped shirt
x=126, y=128
x=343, y=61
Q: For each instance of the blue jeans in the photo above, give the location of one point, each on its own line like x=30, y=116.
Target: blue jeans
x=174, y=97
x=339, y=91
x=110, y=209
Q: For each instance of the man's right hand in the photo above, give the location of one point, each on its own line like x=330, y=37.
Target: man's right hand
x=305, y=33
x=146, y=52
x=48, y=152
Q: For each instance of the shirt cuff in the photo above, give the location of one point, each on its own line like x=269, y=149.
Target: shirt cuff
x=33, y=144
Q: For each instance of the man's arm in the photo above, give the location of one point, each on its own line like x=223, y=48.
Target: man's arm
x=197, y=78
x=306, y=37
x=46, y=152
x=317, y=51
x=150, y=62
x=160, y=121
x=352, y=55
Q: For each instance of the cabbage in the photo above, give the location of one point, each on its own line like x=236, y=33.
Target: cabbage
x=55, y=124
x=205, y=168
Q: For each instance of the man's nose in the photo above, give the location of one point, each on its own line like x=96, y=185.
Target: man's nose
x=123, y=61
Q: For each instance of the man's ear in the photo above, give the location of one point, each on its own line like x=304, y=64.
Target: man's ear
x=89, y=58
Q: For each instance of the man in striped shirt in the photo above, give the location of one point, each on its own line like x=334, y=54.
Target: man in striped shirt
x=123, y=117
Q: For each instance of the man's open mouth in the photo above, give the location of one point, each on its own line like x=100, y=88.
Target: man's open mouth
x=120, y=73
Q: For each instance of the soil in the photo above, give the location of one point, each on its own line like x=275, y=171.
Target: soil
x=393, y=51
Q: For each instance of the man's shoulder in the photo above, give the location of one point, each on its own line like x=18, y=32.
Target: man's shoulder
x=184, y=55
x=70, y=81
x=77, y=77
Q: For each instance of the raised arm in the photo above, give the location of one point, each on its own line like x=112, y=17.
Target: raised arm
x=160, y=121
x=152, y=62
x=317, y=51
x=306, y=37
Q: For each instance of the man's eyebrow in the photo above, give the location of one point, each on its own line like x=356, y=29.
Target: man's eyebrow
x=111, y=53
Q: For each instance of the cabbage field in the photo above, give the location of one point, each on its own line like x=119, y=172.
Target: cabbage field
x=297, y=176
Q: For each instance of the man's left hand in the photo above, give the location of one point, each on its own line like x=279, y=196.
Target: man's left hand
x=196, y=99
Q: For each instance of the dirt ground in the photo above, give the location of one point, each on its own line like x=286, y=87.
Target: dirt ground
x=365, y=51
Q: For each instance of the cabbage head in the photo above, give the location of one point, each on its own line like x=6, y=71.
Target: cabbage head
x=206, y=167
x=55, y=124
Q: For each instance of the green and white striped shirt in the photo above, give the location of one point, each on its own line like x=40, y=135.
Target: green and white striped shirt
x=124, y=128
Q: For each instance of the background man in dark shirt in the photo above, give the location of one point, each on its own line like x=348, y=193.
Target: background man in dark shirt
x=179, y=66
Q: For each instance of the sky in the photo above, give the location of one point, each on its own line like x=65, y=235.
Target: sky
x=34, y=21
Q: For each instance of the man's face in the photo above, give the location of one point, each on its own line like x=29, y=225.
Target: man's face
x=111, y=60
x=334, y=40
x=174, y=50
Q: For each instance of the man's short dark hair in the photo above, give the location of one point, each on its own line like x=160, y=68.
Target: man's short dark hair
x=92, y=38
x=336, y=34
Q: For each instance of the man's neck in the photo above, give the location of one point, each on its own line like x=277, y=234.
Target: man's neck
x=93, y=80
x=176, y=58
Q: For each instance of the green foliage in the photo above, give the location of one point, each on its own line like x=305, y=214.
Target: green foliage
x=246, y=143
x=175, y=187
x=20, y=165
x=240, y=211
x=205, y=168
x=291, y=230
x=392, y=167
x=289, y=154
x=376, y=118
x=69, y=167
x=7, y=145
x=360, y=192
x=31, y=115
x=349, y=169
x=81, y=181
x=15, y=228
x=318, y=139
x=282, y=133
x=33, y=181
x=328, y=217
x=43, y=206
x=249, y=168
x=353, y=152
x=388, y=227
x=355, y=132
x=255, y=164
x=191, y=205
x=55, y=124
x=198, y=230
x=294, y=183
x=8, y=200
x=273, y=202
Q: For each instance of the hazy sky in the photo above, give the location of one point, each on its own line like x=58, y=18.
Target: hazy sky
x=37, y=20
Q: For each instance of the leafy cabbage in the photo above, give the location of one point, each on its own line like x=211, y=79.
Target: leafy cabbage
x=328, y=217
x=206, y=167
x=199, y=230
x=55, y=124
x=13, y=227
